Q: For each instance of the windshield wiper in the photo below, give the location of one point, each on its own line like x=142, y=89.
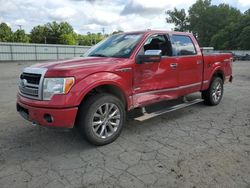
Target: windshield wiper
x=98, y=55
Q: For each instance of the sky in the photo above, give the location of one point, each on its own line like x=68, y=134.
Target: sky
x=97, y=15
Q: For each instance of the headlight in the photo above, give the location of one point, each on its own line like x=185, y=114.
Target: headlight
x=52, y=86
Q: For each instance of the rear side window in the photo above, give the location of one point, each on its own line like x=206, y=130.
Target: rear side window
x=182, y=45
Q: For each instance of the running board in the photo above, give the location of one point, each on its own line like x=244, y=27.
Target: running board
x=147, y=116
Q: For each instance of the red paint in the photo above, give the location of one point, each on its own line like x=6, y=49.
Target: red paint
x=64, y=118
x=140, y=85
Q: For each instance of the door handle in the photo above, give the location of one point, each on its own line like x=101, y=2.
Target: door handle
x=173, y=65
x=199, y=62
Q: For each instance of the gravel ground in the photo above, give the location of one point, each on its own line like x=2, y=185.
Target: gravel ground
x=198, y=146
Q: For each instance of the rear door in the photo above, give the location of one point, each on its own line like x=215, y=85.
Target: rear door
x=189, y=64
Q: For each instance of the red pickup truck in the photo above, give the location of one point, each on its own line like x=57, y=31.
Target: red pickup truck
x=121, y=73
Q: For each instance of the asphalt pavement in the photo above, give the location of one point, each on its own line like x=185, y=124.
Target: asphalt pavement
x=198, y=146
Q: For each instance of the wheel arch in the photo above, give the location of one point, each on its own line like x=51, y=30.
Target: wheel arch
x=110, y=88
x=218, y=73
x=103, y=88
x=104, y=82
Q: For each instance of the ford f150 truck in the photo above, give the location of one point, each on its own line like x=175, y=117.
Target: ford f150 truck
x=121, y=73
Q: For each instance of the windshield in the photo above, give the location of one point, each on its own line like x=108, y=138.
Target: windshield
x=121, y=46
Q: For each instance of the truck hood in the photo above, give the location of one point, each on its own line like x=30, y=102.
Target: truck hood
x=81, y=67
x=77, y=63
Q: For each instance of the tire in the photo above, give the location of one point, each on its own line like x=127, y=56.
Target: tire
x=213, y=95
x=101, y=118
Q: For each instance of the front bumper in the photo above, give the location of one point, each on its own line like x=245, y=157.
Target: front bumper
x=64, y=118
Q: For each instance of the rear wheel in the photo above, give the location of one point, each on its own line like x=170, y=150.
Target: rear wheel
x=213, y=95
x=101, y=118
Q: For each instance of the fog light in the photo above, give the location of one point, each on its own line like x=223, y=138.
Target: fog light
x=48, y=118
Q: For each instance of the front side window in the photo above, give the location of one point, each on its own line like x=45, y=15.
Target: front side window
x=182, y=45
x=157, y=42
x=121, y=46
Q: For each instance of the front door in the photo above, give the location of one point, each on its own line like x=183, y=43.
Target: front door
x=154, y=81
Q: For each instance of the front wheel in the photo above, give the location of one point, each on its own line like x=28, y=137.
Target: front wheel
x=213, y=95
x=101, y=118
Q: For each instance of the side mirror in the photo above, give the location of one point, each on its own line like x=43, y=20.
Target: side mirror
x=149, y=56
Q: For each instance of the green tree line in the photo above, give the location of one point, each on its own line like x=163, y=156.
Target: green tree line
x=50, y=33
x=220, y=26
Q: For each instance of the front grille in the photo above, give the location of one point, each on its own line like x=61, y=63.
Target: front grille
x=27, y=90
x=31, y=82
x=31, y=78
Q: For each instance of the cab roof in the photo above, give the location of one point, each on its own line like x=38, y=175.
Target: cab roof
x=149, y=32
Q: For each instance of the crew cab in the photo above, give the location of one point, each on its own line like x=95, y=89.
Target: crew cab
x=123, y=72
